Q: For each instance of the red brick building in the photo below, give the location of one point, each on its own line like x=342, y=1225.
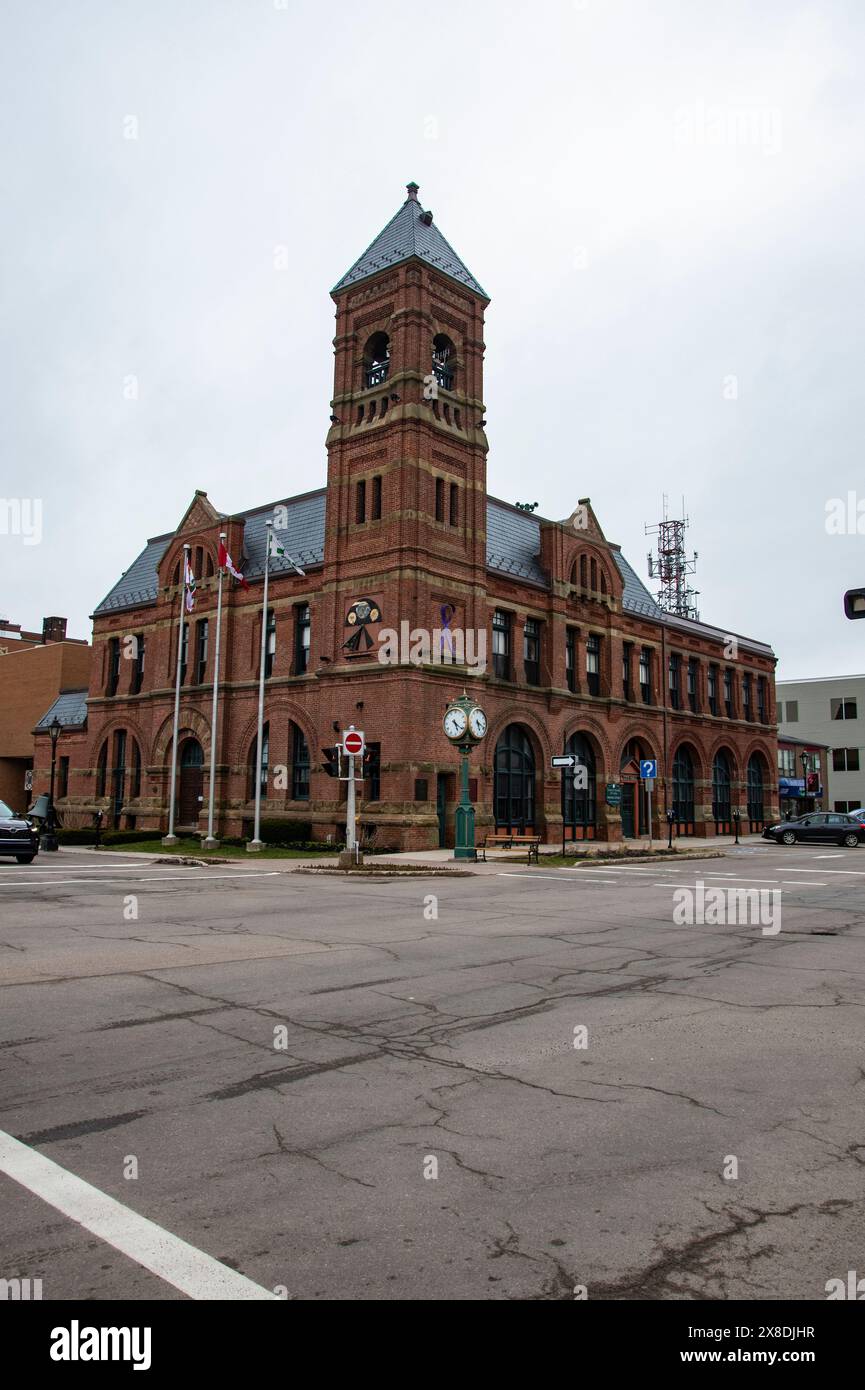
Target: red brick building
x=34, y=668
x=405, y=540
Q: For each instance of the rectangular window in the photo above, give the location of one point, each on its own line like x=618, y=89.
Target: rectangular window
x=645, y=675
x=63, y=777
x=593, y=663
x=845, y=759
x=138, y=671
x=184, y=653
x=502, y=645
x=674, y=678
x=571, y=658
x=532, y=651
x=302, y=632
x=746, y=695
x=360, y=502
x=421, y=789
x=693, y=675
x=842, y=709
x=627, y=655
x=440, y=499
x=376, y=498
x=372, y=772
x=270, y=643
x=792, y=712
x=761, y=699
x=786, y=762
x=201, y=651
x=113, y=665
x=455, y=504
x=728, y=692
x=712, y=689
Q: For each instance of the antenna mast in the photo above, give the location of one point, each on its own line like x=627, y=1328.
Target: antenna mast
x=670, y=565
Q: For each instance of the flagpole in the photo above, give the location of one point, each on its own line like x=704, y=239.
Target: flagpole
x=210, y=842
x=171, y=838
x=254, y=844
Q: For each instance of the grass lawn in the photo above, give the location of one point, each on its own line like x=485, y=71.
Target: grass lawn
x=192, y=847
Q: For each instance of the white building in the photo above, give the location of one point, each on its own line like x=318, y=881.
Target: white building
x=831, y=711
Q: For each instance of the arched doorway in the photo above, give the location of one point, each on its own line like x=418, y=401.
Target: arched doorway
x=514, y=796
x=683, y=790
x=581, y=804
x=756, y=792
x=191, y=793
x=722, y=779
x=635, y=798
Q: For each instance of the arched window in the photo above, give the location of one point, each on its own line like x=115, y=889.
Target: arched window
x=514, y=795
x=376, y=360
x=594, y=574
x=572, y=577
x=265, y=754
x=756, y=792
x=722, y=777
x=581, y=802
x=683, y=790
x=299, y=764
x=443, y=361
x=209, y=565
x=603, y=582
x=584, y=571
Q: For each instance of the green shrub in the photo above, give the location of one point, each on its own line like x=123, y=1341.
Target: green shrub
x=285, y=832
x=129, y=837
x=76, y=837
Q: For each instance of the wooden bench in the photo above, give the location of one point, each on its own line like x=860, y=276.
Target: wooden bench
x=504, y=840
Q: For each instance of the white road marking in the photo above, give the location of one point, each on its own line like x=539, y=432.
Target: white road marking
x=857, y=873
x=797, y=883
x=828, y=856
x=191, y=1271
x=147, y=878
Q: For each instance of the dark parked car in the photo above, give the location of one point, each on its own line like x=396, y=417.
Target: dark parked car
x=820, y=827
x=17, y=836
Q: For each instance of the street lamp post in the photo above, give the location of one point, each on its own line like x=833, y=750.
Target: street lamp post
x=49, y=839
x=805, y=761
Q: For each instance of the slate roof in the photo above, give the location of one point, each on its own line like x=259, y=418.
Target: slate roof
x=513, y=547
x=407, y=235
x=513, y=543
x=303, y=538
x=70, y=707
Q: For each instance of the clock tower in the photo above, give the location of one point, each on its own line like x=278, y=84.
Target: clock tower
x=405, y=533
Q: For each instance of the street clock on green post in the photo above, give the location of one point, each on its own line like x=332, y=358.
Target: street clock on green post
x=465, y=724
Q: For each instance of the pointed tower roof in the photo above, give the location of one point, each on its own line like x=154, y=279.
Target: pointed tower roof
x=410, y=232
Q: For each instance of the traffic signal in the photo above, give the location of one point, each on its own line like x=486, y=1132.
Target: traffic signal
x=331, y=761
x=854, y=603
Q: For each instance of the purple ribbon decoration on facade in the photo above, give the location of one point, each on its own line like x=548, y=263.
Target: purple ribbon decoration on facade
x=446, y=614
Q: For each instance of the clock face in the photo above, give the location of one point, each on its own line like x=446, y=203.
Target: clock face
x=478, y=722
x=455, y=723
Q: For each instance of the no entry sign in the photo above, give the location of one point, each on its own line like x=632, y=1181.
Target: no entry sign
x=353, y=742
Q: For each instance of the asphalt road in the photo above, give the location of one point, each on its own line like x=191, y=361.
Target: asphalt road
x=140, y=1016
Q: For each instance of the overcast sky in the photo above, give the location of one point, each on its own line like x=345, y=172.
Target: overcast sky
x=663, y=200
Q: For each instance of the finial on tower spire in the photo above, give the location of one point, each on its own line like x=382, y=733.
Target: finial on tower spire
x=412, y=190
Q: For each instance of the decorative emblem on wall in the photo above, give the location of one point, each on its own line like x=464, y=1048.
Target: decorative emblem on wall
x=359, y=617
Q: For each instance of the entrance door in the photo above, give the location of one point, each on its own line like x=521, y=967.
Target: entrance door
x=191, y=782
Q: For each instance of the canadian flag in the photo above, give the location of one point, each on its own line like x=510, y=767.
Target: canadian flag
x=226, y=563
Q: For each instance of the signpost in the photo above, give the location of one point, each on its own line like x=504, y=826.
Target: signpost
x=648, y=773
x=353, y=744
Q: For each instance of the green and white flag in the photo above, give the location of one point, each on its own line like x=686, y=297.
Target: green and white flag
x=277, y=548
